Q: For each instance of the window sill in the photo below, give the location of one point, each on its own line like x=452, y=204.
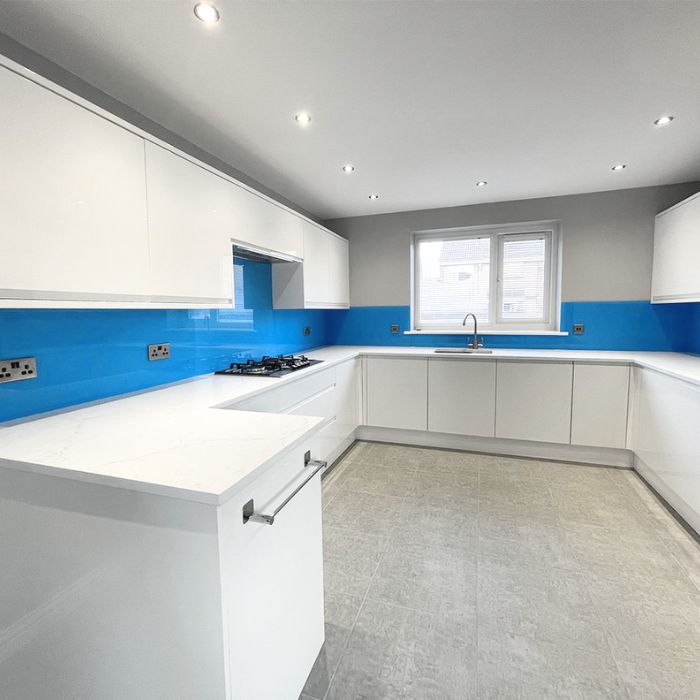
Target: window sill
x=487, y=332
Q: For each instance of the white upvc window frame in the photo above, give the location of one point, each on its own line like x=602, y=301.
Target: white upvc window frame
x=498, y=235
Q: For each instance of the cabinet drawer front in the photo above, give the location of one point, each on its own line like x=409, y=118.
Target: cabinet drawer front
x=272, y=584
x=462, y=396
x=397, y=392
x=599, y=411
x=533, y=401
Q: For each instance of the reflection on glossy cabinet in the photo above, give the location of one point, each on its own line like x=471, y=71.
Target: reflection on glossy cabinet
x=533, y=401
x=599, y=410
x=189, y=210
x=462, y=396
x=396, y=392
x=72, y=200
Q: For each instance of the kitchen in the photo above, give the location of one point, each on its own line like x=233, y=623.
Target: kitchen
x=348, y=376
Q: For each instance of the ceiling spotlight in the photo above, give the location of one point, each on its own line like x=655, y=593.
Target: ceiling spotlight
x=619, y=166
x=482, y=183
x=303, y=118
x=348, y=168
x=662, y=121
x=374, y=196
x=206, y=13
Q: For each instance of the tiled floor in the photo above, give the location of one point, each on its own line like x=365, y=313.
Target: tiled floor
x=454, y=575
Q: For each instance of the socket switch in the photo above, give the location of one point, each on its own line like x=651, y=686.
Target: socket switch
x=159, y=352
x=18, y=369
x=579, y=328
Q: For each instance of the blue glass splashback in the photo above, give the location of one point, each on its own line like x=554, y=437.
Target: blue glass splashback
x=609, y=325
x=85, y=355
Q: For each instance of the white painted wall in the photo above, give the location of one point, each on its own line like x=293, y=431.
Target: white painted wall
x=607, y=242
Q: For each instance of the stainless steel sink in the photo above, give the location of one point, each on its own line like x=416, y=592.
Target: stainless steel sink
x=464, y=351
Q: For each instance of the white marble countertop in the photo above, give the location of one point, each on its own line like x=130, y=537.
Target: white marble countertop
x=176, y=440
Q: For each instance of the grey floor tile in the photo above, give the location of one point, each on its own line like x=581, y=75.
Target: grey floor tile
x=520, y=667
x=427, y=578
x=536, y=579
x=350, y=559
x=341, y=611
x=362, y=510
x=399, y=654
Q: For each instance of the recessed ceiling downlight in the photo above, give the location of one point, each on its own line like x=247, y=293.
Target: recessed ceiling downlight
x=619, y=166
x=665, y=119
x=482, y=183
x=206, y=13
x=374, y=196
x=302, y=118
x=348, y=168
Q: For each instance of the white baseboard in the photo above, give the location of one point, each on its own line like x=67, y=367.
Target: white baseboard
x=516, y=448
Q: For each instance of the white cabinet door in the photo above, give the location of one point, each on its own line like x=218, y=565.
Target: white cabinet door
x=72, y=200
x=666, y=439
x=397, y=392
x=316, y=273
x=675, y=274
x=533, y=401
x=338, y=271
x=599, y=410
x=272, y=584
x=260, y=223
x=462, y=396
x=189, y=221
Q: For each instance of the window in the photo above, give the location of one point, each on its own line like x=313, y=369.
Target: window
x=507, y=276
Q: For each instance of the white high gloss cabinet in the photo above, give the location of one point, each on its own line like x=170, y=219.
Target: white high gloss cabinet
x=462, y=396
x=322, y=281
x=189, y=215
x=72, y=200
x=599, y=408
x=533, y=401
x=396, y=392
x=676, y=266
x=666, y=440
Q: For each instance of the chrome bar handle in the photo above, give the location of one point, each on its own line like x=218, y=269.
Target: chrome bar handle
x=249, y=508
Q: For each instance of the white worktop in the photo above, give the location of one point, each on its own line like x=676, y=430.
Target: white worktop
x=177, y=440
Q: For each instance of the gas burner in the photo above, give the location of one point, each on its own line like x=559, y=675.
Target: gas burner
x=269, y=366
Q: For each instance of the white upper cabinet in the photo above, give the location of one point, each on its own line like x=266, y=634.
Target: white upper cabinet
x=676, y=269
x=599, y=410
x=533, y=401
x=190, y=211
x=322, y=282
x=260, y=223
x=72, y=201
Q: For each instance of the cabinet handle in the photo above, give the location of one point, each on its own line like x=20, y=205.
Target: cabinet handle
x=249, y=508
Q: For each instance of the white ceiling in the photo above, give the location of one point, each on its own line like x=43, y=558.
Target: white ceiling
x=424, y=98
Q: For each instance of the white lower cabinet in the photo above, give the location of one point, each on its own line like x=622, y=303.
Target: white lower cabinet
x=333, y=393
x=666, y=440
x=272, y=584
x=397, y=392
x=533, y=401
x=599, y=410
x=462, y=396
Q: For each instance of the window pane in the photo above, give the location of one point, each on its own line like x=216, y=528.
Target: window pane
x=454, y=280
x=523, y=277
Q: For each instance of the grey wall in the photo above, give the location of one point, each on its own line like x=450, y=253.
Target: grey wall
x=607, y=242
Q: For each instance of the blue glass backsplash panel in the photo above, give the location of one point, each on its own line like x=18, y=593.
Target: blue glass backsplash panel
x=609, y=325
x=84, y=355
